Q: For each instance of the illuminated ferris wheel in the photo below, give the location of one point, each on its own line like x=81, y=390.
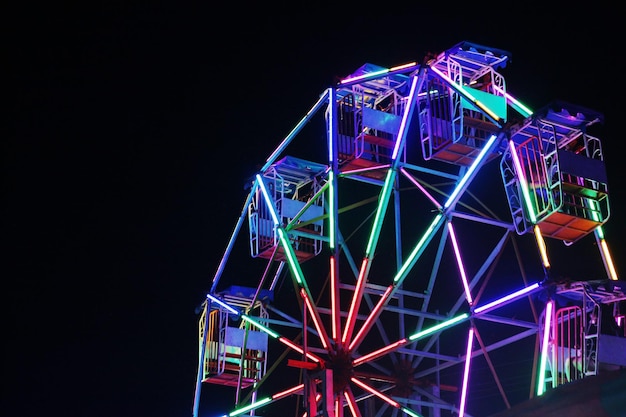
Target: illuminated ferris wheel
x=399, y=245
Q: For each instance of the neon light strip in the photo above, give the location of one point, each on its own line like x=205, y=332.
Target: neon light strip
x=369, y=322
x=542, y=246
x=609, y=260
x=375, y=392
x=251, y=406
x=351, y=402
x=468, y=358
x=459, y=262
x=467, y=95
x=334, y=300
x=403, y=124
x=506, y=299
x=298, y=349
x=223, y=304
x=432, y=229
x=410, y=412
x=259, y=326
x=470, y=171
x=438, y=327
x=380, y=210
x=380, y=352
x=356, y=302
x=523, y=183
x=288, y=392
x=377, y=73
x=421, y=188
x=291, y=256
x=331, y=209
x=315, y=317
x=541, y=387
x=268, y=200
x=521, y=108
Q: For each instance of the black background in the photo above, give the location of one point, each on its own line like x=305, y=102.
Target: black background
x=132, y=127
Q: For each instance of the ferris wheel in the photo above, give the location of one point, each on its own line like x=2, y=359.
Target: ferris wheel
x=400, y=244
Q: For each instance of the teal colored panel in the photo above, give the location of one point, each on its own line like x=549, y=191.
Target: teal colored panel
x=494, y=103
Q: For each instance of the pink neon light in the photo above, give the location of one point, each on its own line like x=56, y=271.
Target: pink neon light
x=314, y=317
x=298, y=349
x=375, y=392
x=334, y=295
x=370, y=320
x=351, y=401
x=468, y=357
x=421, y=188
x=356, y=302
x=459, y=262
x=290, y=391
x=380, y=352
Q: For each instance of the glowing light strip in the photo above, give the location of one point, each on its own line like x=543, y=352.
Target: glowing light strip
x=351, y=401
x=260, y=326
x=470, y=171
x=288, y=392
x=541, y=387
x=468, y=357
x=524, y=111
x=291, y=257
x=268, y=199
x=380, y=352
x=334, y=300
x=432, y=228
x=523, y=183
x=374, y=74
x=331, y=208
x=249, y=407
x=314, y=316
x=356, y=302
x=405, y=116
x=542, y=246
x=506, y=299
x=375, y=392
x=410, y=412
x=467, y=95
x=421, y=188
x=609, y=260
x=369, y=322
x=298, y=349
x=438, y=327
x=223, y=304
x=459, y=262
x=382, y=207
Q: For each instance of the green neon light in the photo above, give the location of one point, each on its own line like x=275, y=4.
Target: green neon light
x=291, y=257
x=410, y=412
x=382, y=206
x=260, y=326
x=418, y=247
x=439, y=326
x=600, y=232
x=250, y=407
x=541, y=386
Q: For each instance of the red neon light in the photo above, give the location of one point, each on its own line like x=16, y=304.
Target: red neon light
x=356, y=302
x=375, y=392
x=315, y=318
x=380, y=352
x=290, y=391
x=371, y=319
x=298, y=349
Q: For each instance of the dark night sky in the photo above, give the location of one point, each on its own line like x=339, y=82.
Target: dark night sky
x=132, y=129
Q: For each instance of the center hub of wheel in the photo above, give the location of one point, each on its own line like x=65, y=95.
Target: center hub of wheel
x=341, y=364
